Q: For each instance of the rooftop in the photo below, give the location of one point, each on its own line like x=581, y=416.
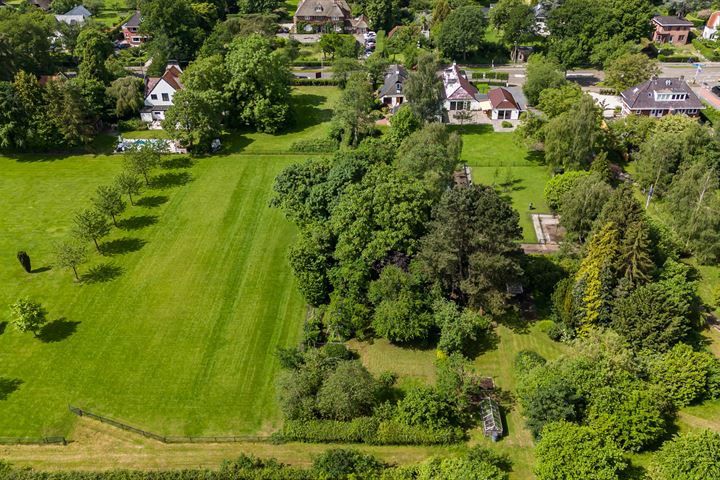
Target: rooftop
x=642, y=97
x=668, y=21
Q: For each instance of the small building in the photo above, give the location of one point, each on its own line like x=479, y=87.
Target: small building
x=459, y=93
x=491, y=419
x=159, y=93
x=711, y=27
x=504, y=105
x=661, y=96
x=325, y=16
x=391, y=93
x=75, y=16
x=131, y=29
x=673, y=30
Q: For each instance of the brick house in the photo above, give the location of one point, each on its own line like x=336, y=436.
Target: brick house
x=673, y=30
x=322, y=16
x=661, y=96
x=131, y=29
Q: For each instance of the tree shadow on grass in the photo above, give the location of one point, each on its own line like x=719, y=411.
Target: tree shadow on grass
x=121, y=246
x=8, y=386
x=3, y=326
x=515, y=322
x=152, y=201
x=57, y=330
x=171, y=179
x=137, y=222
x=487, y=341
x=102, y=273
x=177, y=162
x=41, y=270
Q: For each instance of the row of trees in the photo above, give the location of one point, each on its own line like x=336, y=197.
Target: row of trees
x=92, y=224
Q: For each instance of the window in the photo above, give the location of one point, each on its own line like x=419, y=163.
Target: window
x=398, y=87
x=692, y=111
x=165, y=97
x=136, y=39
x=153, y=96
x=656, y=112
x=459, y=105
x=504, y=114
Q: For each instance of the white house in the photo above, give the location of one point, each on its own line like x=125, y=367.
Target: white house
x=391, y=93
x=459, y=93
x=711, y=27
x=75, y=16
x=504, y=105
x=159, y=93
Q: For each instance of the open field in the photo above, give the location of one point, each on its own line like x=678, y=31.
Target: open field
x=174, y=326
x=498, y=159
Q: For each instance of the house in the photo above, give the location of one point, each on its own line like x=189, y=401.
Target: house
x=661, y=96
x=43, y=5
x=159, y=93
x=360, y=25
x=540, y=12
x=459, y=93
x=130, y=31
x=391, y=93
x=322, y=16
x=504, y=105
x=671, y=30
x=711, y=27
x=75, y=16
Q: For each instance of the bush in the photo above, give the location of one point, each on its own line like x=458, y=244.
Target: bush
x=506, y=124
x=392, y=432
x=341, y=463
x=561, y=184
x=707, y=48
x=678, y=58
x=315, y=145
x=526, y=360
x=131, y=125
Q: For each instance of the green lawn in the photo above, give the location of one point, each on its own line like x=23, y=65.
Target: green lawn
x=174, y=327
x=500, y=159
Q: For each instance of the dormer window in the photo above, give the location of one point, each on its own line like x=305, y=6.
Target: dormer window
x=398, y=87
x=318, y=8
x=669, y=97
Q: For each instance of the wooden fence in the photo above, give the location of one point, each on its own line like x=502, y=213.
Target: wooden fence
x=33, y=441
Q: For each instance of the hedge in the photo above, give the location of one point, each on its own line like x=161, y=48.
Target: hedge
x=712, y=54
x=367, y=430
x=307, y=63
x=491, y=75
x=321, y=82
x=315, y=145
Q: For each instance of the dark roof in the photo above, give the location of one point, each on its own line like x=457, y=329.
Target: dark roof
x=672, y=21
x=642, y=97
x=395, y=74
x=43, y=4
x=79, y=10
x=501, y=98
x=134, y=20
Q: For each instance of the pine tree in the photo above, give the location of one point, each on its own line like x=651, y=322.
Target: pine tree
x=635, y=262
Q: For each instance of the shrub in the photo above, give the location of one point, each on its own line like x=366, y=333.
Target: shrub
x=526, y=360
x=561, y=184
x=506, y=124
x=391, y=432
x=315, y=145
x=339, y=463
x=132, y=125
x=359, y=430
x=692, y=456
x=320, y=82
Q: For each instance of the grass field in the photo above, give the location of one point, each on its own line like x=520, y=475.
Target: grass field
x=174, y=327
x=499, y=159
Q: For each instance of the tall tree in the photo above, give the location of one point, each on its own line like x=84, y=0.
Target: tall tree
x=470, y=246
x=108, y=201
x=93, y=48
x=542, y=73
x=25, y=37
x=259, y=83
x=581, y=205
x=462, y=32
x=91, y=225
x=515, y=19
x=195, y=118
x=423, y=89
x=629, y=70
x=175, y=27
x=573, y=139
x=351, y=116
x=67, y=114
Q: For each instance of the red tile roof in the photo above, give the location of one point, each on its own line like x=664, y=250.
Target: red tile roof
x=502, y=99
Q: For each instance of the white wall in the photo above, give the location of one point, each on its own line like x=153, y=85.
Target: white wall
x=160, y=88
x=514, y=115
x=70, y=19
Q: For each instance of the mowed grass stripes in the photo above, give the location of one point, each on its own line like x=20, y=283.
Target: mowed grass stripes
x=181, y=340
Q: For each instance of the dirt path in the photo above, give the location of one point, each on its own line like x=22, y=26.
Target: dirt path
x=96, y=446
